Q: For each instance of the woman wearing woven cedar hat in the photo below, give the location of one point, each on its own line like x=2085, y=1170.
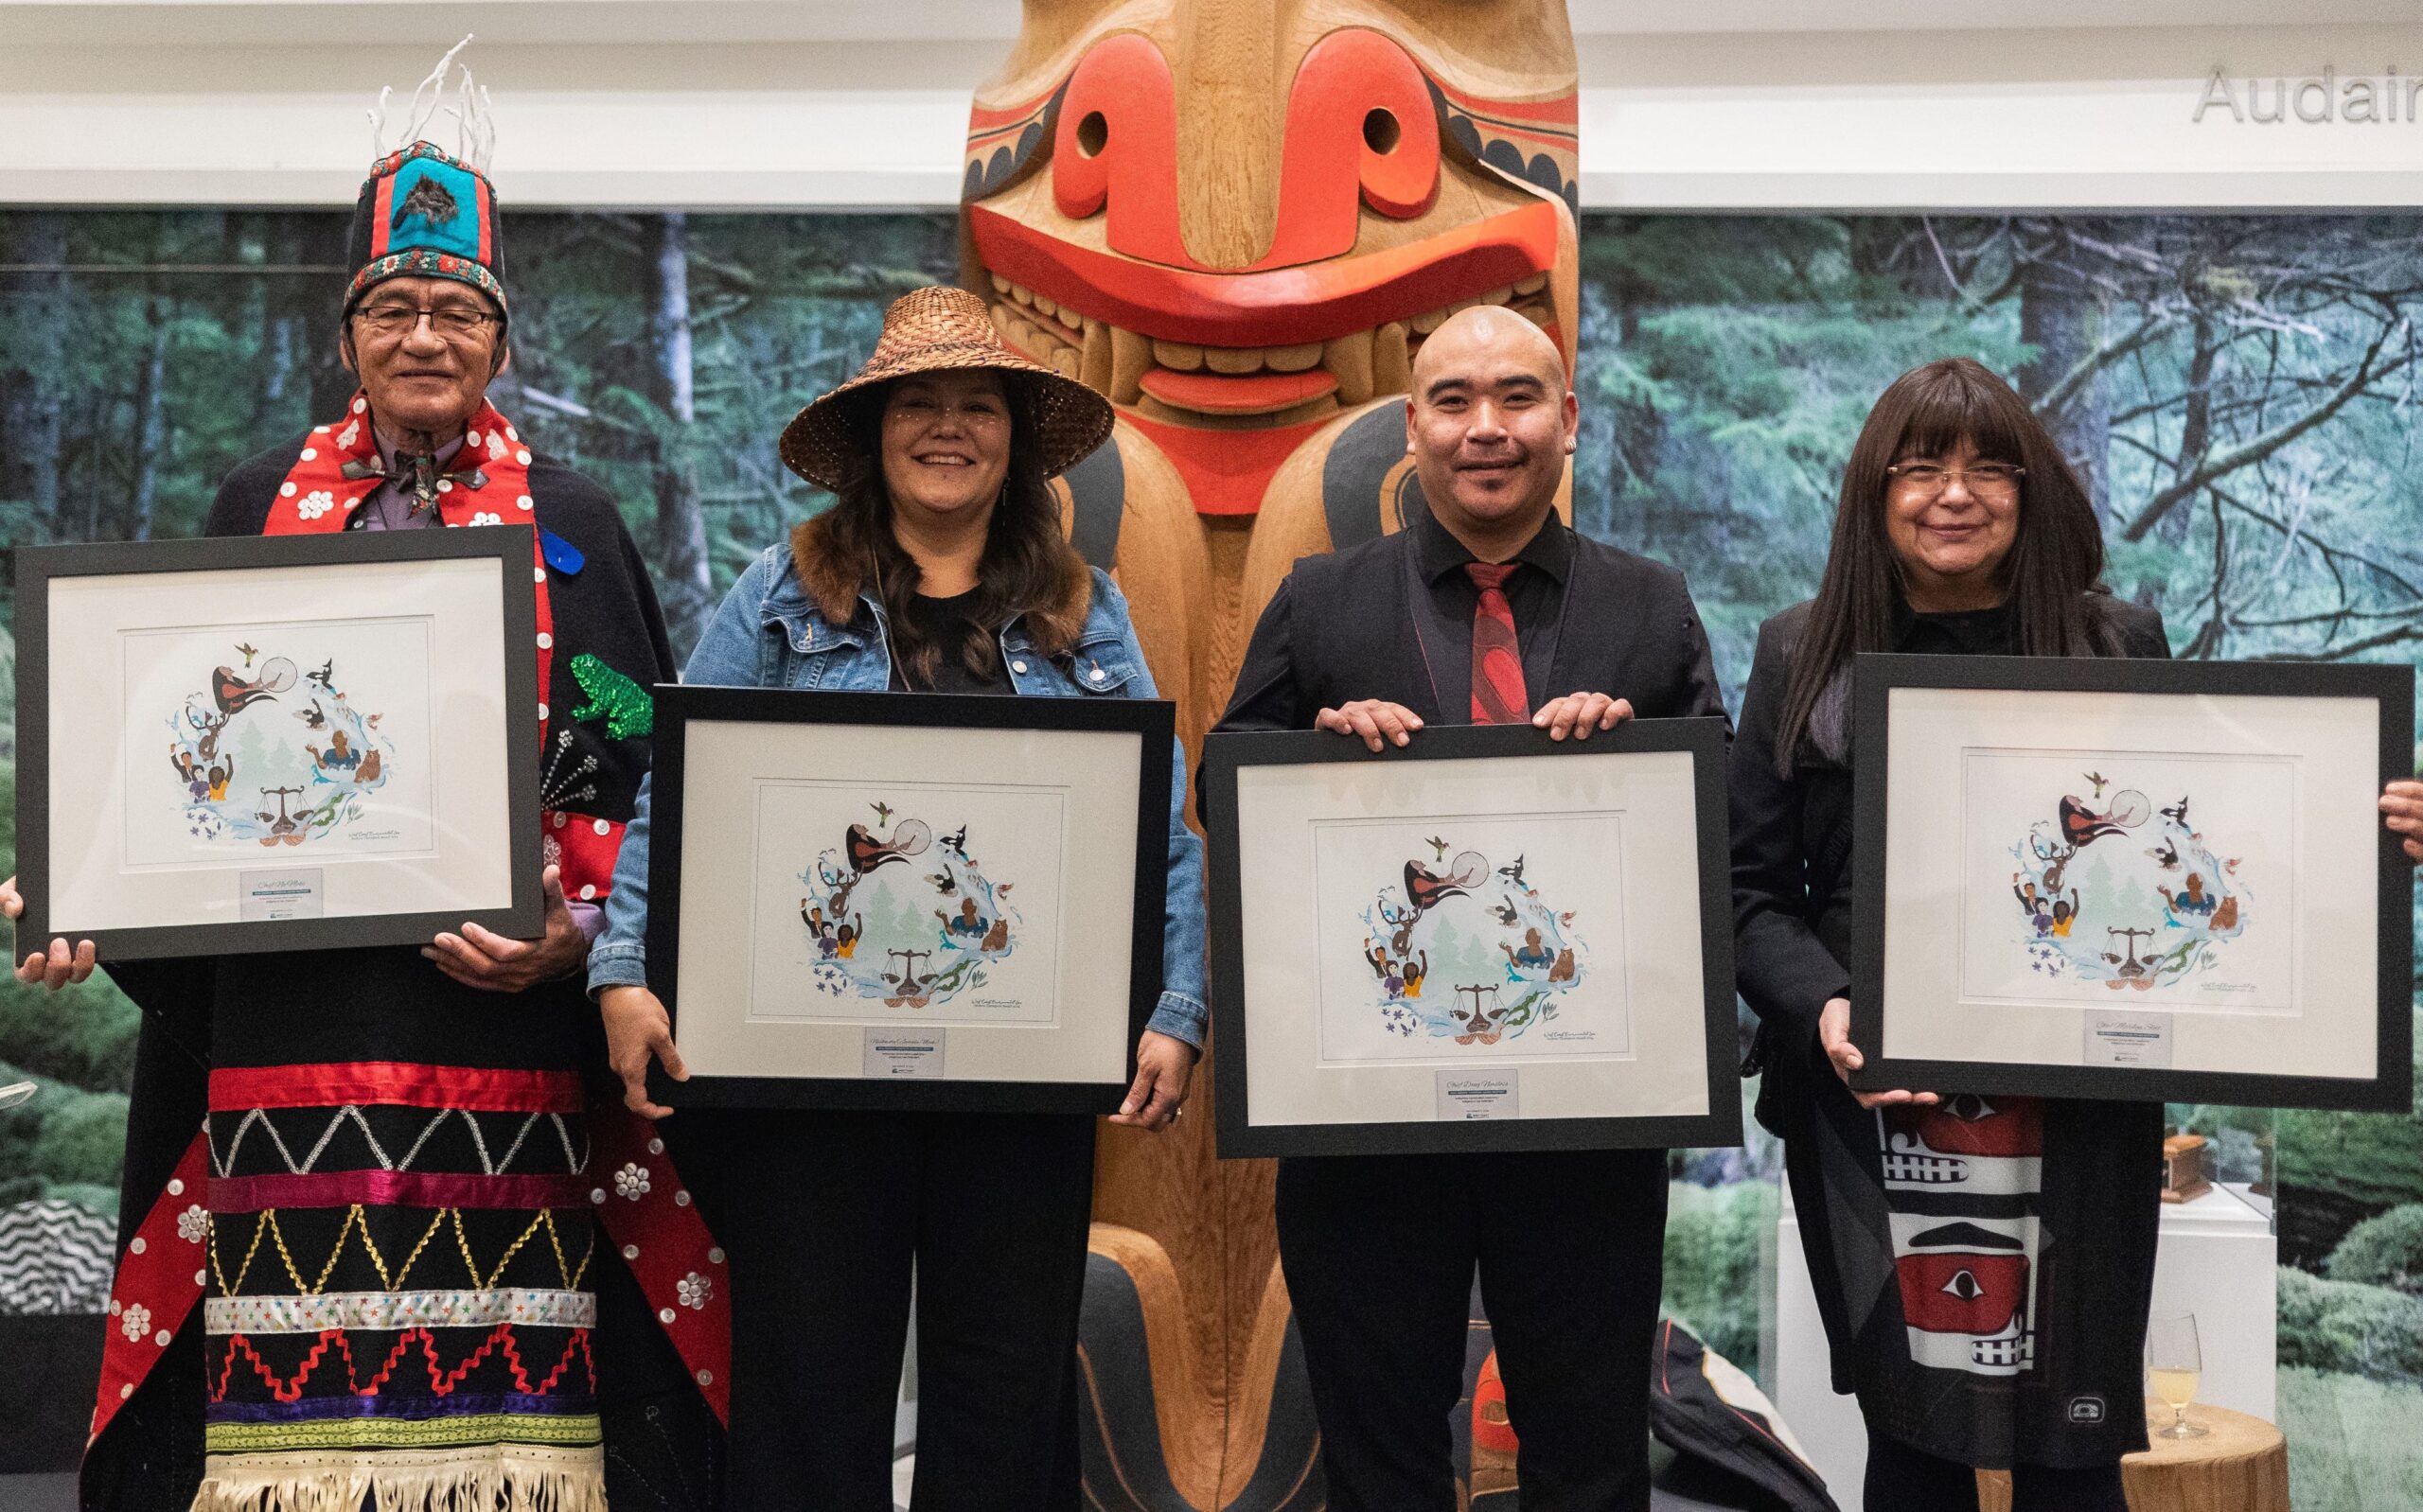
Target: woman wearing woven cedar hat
x=941, y=568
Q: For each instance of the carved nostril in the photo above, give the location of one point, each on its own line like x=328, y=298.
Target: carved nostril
x=1093, y=135
x=1381, y=131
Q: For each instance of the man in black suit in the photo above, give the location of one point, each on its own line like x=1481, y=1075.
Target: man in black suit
x=1470, y=614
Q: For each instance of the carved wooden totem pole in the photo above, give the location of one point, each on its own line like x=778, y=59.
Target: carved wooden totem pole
x=1239, y=219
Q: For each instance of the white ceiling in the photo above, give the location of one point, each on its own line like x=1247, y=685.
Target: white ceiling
x=838, y=104
x=215, y=23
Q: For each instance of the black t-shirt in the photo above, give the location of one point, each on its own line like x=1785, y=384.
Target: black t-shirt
x=943, y=623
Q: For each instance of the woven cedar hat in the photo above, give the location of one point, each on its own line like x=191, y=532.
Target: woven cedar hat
x=936, y=329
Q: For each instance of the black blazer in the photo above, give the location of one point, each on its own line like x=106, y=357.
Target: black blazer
x=1343, y=627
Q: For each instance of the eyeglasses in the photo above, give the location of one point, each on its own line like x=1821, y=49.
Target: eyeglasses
x=453, y=322
x=1986, y=479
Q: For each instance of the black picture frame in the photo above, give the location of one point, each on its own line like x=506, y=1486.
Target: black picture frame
x=37, y=568
x=1877, y=676
x=1226, y=752
x=678, y=705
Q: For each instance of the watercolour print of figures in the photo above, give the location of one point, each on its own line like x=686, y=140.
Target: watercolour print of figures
x=1472, y=939
x=900, y=912
x=2157, y=882
x=298, y=740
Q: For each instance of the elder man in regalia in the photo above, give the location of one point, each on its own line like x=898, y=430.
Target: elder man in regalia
x=387, y=1219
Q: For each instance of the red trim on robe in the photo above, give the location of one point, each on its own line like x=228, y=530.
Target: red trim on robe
x=159, y=1277
x=399, y=1084
x=394, y=1188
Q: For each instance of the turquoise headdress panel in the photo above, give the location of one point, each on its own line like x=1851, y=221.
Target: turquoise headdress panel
x=425, y=213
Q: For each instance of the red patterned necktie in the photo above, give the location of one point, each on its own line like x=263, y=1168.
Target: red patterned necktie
x=1498, y=695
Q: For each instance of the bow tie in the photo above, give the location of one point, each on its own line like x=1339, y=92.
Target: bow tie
x=420, y=474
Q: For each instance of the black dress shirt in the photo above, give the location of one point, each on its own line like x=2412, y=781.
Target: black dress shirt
x=943, y=622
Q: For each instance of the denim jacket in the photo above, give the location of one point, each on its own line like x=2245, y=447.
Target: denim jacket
x=768, y=634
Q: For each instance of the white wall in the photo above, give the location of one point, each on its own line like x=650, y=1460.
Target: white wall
x=847, y=103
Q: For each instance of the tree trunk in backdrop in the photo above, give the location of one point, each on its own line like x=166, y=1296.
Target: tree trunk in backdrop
x=2195, y=427
x=42, y=326
x=314, y=302
x=2060, y=317
x=150, y=414
x=681, y=525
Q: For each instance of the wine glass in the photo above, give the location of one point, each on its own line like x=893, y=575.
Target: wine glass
x=2174, y=1360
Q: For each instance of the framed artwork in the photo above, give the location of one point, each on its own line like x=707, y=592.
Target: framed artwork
x=235, y=744
x=862, y=900
x=1486, y=940
x=2132, y=879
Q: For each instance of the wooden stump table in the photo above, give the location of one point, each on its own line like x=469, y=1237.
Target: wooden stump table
x=2240, y=1466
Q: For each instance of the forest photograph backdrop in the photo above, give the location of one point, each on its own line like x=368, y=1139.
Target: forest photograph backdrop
x=2240, y=394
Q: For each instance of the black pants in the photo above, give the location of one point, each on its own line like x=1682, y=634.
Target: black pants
x=821, y=1214
x=1379, y=1252
x=1900, y=1476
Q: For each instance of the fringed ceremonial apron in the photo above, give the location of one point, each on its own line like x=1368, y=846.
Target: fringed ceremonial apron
x=399, y=1307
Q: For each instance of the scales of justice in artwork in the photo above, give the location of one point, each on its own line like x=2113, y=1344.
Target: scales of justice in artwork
x=1468, y=940
x=895, y=904
x=288, y=741
x=2153, y=882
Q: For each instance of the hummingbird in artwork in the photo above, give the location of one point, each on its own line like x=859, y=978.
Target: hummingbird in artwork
x=250, y=652
x=2098, y=780
x=882, y=813
x=1438, y=848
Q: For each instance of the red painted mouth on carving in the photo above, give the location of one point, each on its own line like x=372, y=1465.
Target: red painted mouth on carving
x=1281, y=306
x=1257, y=394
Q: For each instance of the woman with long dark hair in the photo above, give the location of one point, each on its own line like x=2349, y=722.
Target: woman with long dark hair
x=941, y=567
x=1983, y=1264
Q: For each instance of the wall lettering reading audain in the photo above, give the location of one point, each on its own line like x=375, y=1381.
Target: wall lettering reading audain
x=2319, y=99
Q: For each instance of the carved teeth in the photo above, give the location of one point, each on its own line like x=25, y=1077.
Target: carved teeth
x=1112, y=361
x=1391, y=364
x=1131, y=357
x=1093, y=363
x=1292, y=358
x=1348, y=360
